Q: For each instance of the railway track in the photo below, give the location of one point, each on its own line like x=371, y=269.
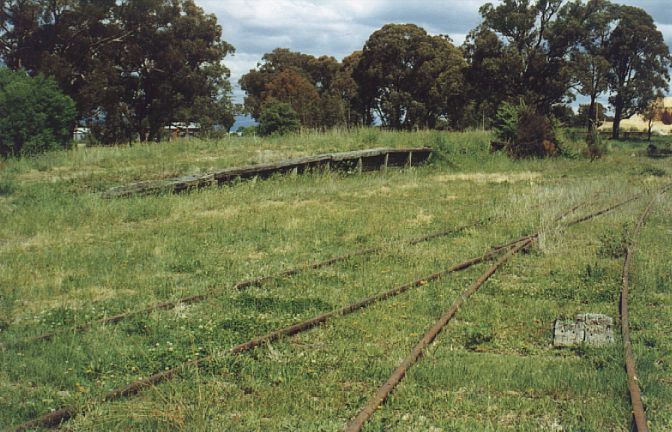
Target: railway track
x=56, y=418
x=638, y=422
x=247, y=283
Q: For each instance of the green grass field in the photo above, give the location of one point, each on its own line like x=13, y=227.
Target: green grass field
x=68, y=256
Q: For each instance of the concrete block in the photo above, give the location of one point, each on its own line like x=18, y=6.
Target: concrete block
x=588, y=328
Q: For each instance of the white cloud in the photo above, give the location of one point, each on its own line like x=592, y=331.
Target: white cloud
x=666, y=30
x=339, y=27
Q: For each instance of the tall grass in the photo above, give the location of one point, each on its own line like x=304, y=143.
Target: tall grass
x=68, y=256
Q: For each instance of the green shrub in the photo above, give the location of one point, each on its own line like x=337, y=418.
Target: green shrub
x=7, y=186
x=653, y=171
x=278, y=118
x=247, y=130
x=35, y=116
x=506, y=122
x=478, y=335
x=524, y=133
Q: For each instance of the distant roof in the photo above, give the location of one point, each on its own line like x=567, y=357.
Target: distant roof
x=182, y=125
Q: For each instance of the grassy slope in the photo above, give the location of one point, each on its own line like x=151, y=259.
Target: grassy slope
x=68, y=256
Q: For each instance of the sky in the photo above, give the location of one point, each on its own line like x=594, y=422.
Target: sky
x=339, y=27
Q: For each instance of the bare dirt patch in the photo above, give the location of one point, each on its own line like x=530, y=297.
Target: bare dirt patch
x=484, y=178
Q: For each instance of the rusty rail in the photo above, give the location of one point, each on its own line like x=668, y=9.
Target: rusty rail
x=381, y=395
x=57, y=417
x=399, y=373
x=244, y=284
x=197, y=298
x=604, y=211
x=638, y=420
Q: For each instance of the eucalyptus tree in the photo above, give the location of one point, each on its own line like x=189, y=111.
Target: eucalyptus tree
x=133, y=65
x=409, y=78
x=534, y=44
x=639, y=62
x=594, y=22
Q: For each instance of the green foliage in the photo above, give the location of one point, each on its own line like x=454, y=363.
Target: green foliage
x=520, y=51
x=506, y=122
x=653, y=171
x=410, y=78
x=595, y=145
x=524, y=132
x=639, y=62
x=35, y=116
x=477, y=335
x=7, y=185
x=585, y=118
x=132, y=67
x=613, y=244
x=278, y=118
x=563, y=115
x=320, y=89
x=159, y=248
x=535, y=136
x=593, y=22
x=248, y=130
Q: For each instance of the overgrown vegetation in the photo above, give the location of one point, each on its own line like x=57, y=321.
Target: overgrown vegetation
x=278, y=118
x=493, y=366
x=524, y=133
x=540, y=52
x=35, y=116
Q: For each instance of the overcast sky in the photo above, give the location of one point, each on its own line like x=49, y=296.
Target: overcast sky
x=339, y=27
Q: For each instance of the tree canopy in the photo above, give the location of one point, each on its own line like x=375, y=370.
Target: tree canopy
x=134, y=66
x=319, y=89
x=410, y=78
x=131, y=66
x=520, y=51
x=639, y=62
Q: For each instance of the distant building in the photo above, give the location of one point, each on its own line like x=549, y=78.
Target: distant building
x=183, y=130
x=80, y=134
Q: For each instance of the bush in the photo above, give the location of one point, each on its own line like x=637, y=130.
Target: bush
x=506, y=122
x=247, y=130
x=535, y=136
x=35, y=116
x=595, y=145
x=524, y=133
x=278, y=118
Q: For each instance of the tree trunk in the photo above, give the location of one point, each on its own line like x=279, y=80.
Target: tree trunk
x=618, y=113
x=591, y=114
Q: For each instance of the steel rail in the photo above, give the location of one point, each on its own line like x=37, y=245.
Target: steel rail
x=55, y=418
x=197, y=298
x=638, y=420
x=356, y=424
x=383, y=392
x=243, y=285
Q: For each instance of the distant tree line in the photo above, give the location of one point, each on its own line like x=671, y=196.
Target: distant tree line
x=533, y=53
x=133, y=67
